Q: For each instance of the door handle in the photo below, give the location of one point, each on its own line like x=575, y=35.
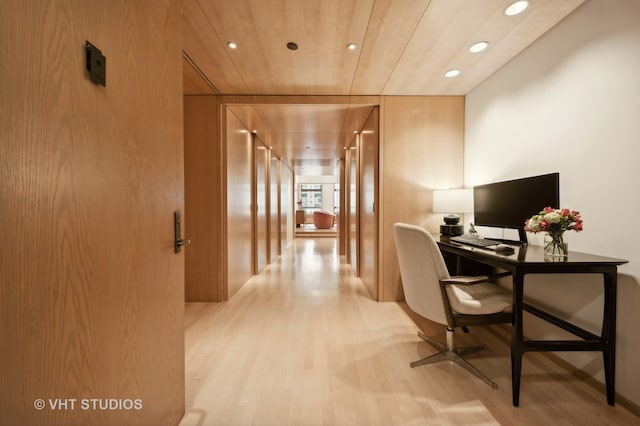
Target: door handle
x=179, y=242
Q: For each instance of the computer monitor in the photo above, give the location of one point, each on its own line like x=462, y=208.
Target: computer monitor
x=509, y=203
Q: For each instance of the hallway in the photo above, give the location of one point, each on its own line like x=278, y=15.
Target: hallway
x=303, y=343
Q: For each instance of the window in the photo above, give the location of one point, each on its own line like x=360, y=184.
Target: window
x=311, y=196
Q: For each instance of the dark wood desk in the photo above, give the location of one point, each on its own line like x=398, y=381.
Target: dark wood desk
x=530, y=259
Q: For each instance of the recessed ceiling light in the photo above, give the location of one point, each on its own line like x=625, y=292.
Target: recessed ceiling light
x=232, y=45
x=292, y=46
x=452, y=73
x=352, y=46
x=516, y=7
x=478, y=47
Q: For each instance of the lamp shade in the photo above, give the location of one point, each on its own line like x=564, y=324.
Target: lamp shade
x=453, y=201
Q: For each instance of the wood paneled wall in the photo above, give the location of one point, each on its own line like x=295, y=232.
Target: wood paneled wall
x=342, y=214
x=261, y=205
x=353, y=188
x=274, y=209
x=239, y=199
x=91, y=291
x=421, y=149
x=204, y=209
x=286, y=206
x=368, y=253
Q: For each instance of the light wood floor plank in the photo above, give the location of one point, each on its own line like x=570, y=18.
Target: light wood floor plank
x=304, y=344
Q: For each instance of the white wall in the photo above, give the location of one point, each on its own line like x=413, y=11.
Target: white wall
x=316, y=179
x=328, y=188
x=571, y=103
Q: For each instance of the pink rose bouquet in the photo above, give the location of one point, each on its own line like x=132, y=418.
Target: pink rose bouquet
x=554, y=221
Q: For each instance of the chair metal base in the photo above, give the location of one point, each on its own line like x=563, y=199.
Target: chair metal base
x=451, y=353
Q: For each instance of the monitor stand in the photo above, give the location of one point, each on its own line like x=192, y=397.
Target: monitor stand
x=523, y=236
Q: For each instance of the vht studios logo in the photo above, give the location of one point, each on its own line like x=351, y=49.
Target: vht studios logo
x=95, y=404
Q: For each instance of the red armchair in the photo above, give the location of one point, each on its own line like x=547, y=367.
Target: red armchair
x=323, y=220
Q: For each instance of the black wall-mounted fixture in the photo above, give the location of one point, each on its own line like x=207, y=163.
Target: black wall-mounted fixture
x=96, y=65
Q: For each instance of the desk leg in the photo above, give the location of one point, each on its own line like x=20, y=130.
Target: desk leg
x=517, y=337
x=609, y=333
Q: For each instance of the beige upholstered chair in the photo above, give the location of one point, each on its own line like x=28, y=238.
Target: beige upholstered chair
x=451, y=301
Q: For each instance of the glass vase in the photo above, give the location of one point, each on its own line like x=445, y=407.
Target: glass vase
x=555, y=246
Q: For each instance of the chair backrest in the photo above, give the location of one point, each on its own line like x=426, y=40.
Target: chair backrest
x=421, y=269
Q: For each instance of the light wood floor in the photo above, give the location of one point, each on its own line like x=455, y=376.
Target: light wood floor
x=309, y=230
x=303, y=344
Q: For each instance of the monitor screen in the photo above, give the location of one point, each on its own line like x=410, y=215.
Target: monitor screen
x=508, y=204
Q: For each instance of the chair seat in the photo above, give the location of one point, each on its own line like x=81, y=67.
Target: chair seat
x=479, y=299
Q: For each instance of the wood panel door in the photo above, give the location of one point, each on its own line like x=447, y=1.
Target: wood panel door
x=274, y=209
x=286, y=206
x=368, y=254
x=354, y=200
x=91, y=291
x=261, y=204
x=239, y=239
x=205, y=163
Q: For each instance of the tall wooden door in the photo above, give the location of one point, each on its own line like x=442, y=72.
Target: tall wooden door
x=354, y=200
x=368, y=252
x=261, y=206
x=274, y=208
x=286, y=206
x=240, y=199
x=91, y=291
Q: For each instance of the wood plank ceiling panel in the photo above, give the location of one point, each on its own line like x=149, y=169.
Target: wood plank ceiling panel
x=322, y=65
x=404, y=48
x=205, y=50
x=313, y=134
x=390, y=28
x=450, y=27
x=305, y=131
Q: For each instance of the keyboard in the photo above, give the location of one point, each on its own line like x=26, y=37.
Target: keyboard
x=473, y=241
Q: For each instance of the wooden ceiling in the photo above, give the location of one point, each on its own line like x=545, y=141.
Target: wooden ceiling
x=306, y=103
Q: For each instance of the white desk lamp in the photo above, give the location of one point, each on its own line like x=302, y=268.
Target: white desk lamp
x=452, y=201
